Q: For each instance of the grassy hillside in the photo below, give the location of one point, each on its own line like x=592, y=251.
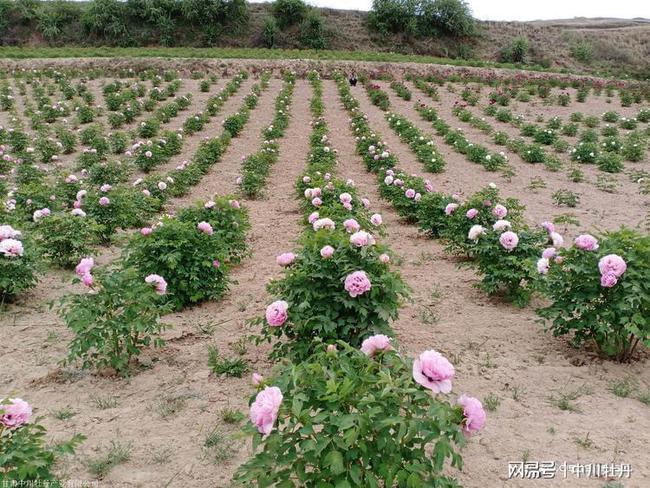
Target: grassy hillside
x=595, y=46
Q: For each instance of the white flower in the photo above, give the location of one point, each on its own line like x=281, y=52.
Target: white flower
x=475, y=232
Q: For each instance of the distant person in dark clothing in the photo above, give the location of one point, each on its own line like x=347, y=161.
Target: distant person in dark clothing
x=353, y=79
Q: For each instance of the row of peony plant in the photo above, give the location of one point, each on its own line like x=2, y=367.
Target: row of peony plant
x=256, y=166
x=75, y=219
x=609, y=310
x=343, y=402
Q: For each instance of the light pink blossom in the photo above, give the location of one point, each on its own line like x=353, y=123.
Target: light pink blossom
x=473, y=414
x=15, y=414
x=384, y=258
x=499, y=211
x=257, y=379
x=475, y=232
x=326, y=252
x=357, y=283
x=549, y=253
x=586, y=242
x=433, y=371
x=451, y=208
x=11, y=248
x=471, y=213
x=265, y=408
x=612, y=264
x=376, y=219
x=325, y=223
x=104, y=201
x=159, y=283
x=285, y=259
x=543, y=265
x=84, y=266
x=276, y=313
x=556, y=239
x=145, y=231
x=361, y=239
x=351, y=225
x=373, y=344
x=509, y=240
x=410, y=193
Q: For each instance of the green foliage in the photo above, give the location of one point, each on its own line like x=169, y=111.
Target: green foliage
x=582, y=51
x=319, y=305
x=289, y=12
x=313, y=33
x=516, y=51
x=18, y=273
x=115, y=322
x=270, y=31
x=449, y=17
x=26, y=459
x=511, y=273
x=613, y=319
x=346, y=414
x=192, y=262
x=66, y=238
x=393, y=16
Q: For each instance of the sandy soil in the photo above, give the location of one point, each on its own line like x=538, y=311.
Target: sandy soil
x=165, y=412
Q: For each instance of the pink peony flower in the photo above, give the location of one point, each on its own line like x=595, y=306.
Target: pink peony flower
x=612, y=264
x=376, y=220
x=264, y=410
x=276, y=313
x=11, y=248
x=326, y=252
x=105, y=188
x=159, y=283
x=357, y=283
x=324, y=224
x=234, y=204
x=388, y=180
x=410, y=193
x=8, y=232
x=145, y=231
x=499, y=211
x=313, y=217
x=361, y=239
x=548, y=226
x=104, y=201
x=608, y=280
x=586, y=242
x=84, y=266
x=450, y=208
x=216, y=264
x=543, y=265
x=501, y=225
x=87, y=279
x=384, y=258
x=475, y=232
x=556, y=239
x=471, y=213
x=351, y=225
x=473, y=413
x=375, y=343
x=433, y=371
x=209, y=204
x=257, y=379
x=509, y=240
x=15, y=414
x=365, y=202
x=347, y=206
x=549, y=253
x=285, y=259
x=345, y=198
x=205, y=227
x=317, y=202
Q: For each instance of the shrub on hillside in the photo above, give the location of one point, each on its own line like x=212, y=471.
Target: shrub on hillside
x=313, y=33
x=270, y=31
x=289, y=12
x=450, y=17
x=516, y=51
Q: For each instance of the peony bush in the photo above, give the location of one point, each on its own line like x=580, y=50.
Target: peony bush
x=25, y=457
x=18, y=263
x=600, y=294
x=351, y=417
x=116, y=319
x=339, y=286
x=191, y=258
